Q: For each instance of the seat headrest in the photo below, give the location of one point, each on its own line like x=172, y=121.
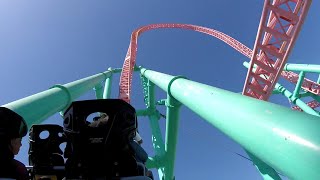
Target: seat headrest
x=12, y=125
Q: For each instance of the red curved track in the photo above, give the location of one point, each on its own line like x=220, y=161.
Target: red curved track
x=279, y=27
x=129, y=62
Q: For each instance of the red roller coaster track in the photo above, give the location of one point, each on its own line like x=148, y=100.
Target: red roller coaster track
x=129, y=62
x=279, y=27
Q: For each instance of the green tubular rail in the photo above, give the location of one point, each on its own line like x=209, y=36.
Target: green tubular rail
x=292, y=146
x=285, y=139
x=302, y=67
x=38, y=107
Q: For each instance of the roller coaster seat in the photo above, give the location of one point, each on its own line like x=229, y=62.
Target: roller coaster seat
x=103, y=151
x=45, y=152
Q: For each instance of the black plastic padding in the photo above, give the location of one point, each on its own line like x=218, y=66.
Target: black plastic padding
x=75, y=116
x=46, y=151
x=12, y=125
x=103, y=150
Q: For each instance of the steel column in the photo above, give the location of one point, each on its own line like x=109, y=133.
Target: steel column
x=172, y=125
x=107, y=86
x=99, y=91
x=296, y=91
x=157, y=141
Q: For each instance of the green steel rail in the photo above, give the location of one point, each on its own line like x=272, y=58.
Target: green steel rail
x=40, y=106
x=302, y=67
x=292, y=146
x=293, y=143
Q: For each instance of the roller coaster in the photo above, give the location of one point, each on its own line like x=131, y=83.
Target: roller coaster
x=292, y=146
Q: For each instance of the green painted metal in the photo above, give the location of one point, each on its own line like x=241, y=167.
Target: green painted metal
x=146, y=91
x=305, y=94
x=107, y=86
x=296, y=91
x=172, y=126
x=161, y=102
x=40, y=106
x=317, y=98
x=286, y=140
x=150, y=98
x=158, y=146
x=293, y=137
x=293, y=98
x=302, y=67
x=116, y=70
x=296, y=100
x=275, y=91
x=297, y=67
x=157, y=141
x=152, y=162
x=99, y=91
x=267, y=172
x=143, y=112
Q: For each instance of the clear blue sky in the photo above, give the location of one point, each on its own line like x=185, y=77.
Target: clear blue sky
x=43, y=43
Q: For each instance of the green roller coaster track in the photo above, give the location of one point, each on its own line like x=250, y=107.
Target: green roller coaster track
x=293, y=137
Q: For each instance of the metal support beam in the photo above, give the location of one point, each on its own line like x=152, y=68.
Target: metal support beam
x=293, y=98
x=305, y=94
x=267, y=172
x=152, y=162
x=172, y=125
x=302, y=67
x=296, y=91
x=107, y=86
x=158, y=146
x=98, y=91
x=296, y=100
x=317, y=98
x=142, y=112
x=275, y=91
x=157, y=141
x=282, y=138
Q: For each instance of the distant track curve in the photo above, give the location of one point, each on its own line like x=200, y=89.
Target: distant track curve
x=130, y=59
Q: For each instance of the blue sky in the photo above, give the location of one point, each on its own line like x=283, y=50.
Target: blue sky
x=43, y=43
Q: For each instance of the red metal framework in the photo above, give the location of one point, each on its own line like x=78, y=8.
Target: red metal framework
x=278, y=30
x=307, y=84
x=126, y=76
x=313, y=104
x=274, y=41
x=129, y=62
